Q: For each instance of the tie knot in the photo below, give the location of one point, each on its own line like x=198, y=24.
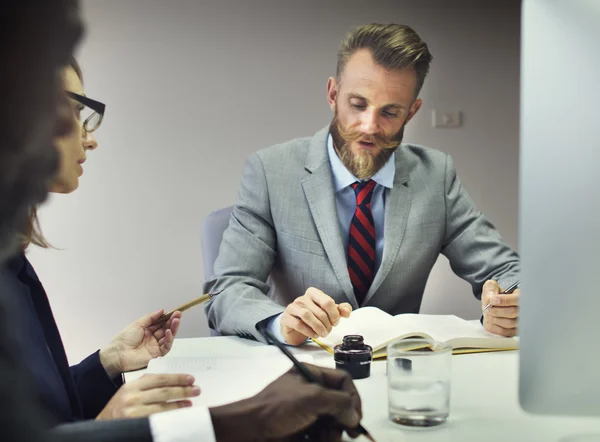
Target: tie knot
x=363, y=191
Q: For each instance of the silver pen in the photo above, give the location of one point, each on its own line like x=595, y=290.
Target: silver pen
x=508, y=291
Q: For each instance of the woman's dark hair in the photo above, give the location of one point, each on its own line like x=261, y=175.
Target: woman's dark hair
x=32, y=232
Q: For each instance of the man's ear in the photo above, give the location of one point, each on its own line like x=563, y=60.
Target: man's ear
x=414, y=108
x=332, y=92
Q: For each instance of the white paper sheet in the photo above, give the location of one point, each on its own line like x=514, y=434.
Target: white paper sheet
x=227, y=379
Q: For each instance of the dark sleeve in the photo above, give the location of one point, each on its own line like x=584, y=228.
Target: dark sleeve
x=94, y=386
x=22, y=418
x=130, y=430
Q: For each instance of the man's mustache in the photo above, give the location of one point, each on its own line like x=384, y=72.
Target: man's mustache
x=380, y=141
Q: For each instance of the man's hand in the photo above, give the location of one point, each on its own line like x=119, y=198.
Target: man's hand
x=503, y=314
x=152, y=393
x=290, y=407
x=140, y=342
x=312, y=315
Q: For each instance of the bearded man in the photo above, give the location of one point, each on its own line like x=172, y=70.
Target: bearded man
x=351, y=217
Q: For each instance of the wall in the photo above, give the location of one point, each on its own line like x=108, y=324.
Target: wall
x=193, y=87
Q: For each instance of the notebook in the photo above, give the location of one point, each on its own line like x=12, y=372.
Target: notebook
x=227, y=379
x=379, y=328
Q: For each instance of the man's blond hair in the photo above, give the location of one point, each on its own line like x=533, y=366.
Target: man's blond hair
x=392, y=46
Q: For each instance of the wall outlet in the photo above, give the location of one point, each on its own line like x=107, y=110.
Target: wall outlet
x=446, y=118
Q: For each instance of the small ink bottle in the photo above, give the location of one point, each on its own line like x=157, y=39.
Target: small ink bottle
x=354, y=356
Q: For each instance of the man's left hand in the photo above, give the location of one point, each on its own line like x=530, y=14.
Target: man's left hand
x=139, y=342
x=502, y=316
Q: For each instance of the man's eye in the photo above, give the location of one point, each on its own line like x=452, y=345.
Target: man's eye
x=390, y=114
x=358, y=106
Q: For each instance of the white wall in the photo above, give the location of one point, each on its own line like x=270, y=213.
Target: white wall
x=193, y=87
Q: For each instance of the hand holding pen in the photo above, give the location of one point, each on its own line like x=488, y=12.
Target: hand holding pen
x=308, y=404
x=328, y=424
x=500, y=308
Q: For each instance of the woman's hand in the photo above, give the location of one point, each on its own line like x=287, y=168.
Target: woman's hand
x=152, y=393
x=139, y=342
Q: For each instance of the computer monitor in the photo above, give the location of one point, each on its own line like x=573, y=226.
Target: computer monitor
x=559, y=225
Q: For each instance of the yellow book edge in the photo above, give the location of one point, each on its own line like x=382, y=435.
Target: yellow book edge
x=381, y=353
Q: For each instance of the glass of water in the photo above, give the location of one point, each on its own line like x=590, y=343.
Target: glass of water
x=419, y=373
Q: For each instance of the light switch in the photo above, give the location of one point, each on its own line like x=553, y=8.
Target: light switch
x=446, y=118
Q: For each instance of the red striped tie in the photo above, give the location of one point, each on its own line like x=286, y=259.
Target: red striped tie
x=361, y=241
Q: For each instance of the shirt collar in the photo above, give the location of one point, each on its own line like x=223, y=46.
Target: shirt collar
x=342, y=177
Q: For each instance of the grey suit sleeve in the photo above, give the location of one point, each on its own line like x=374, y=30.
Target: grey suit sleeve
x=473, y=246
x=246, y=257
x=132, y=430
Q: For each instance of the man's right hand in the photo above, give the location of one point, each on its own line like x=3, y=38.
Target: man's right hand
x=312, y=315
x=290, y=407
x=152, y=393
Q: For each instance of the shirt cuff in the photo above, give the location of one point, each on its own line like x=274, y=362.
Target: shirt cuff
x=274, y=326
x=183, y=425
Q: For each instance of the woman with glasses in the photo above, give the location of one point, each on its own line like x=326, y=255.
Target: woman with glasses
x=92, y=389
x=74, y=147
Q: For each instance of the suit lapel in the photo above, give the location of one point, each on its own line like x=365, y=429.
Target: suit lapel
x=54, y=341
x=319, y=192
x=397, y=209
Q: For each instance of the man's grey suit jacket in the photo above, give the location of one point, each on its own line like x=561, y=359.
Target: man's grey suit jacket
x=284, y=227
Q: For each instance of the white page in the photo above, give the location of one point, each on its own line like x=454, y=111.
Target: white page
x=369, y=322
x=439, y=327
x=379, y=328
x=375, y=326
x=223, y=380
x=445, y=328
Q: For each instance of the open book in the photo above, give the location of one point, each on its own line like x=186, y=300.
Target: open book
x=379, y=328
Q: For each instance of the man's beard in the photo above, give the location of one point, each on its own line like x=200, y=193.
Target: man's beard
x=363, y=165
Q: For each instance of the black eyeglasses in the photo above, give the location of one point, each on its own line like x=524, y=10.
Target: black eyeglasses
x=95, y=111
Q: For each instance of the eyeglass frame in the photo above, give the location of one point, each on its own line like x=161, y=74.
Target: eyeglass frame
x=94, y=105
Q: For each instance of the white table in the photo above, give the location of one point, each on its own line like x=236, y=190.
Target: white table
x=484, y=397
